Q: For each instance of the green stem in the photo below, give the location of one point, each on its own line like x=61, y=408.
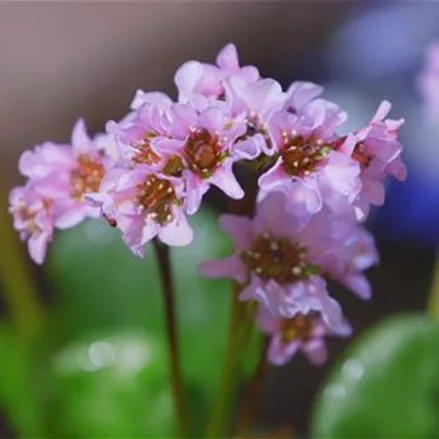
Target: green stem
x=253, y=394
x=18, y=285
x=433, y=304
x=164, y=262
x=218, y=423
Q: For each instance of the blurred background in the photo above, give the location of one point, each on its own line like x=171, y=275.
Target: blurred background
x=61, y=61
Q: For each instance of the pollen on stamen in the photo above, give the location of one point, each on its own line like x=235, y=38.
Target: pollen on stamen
x=274, y=245
x=203, y=152
x=301, y=156
x=296, y=270
x=276, y=259
x=86, y=177
x=300, y=327
x=156, y=197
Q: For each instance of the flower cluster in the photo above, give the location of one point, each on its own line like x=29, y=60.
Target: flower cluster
x=58, y=178
x=152, y=169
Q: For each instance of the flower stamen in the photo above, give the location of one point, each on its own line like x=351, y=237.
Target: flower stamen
x=86, y=177
x=156, y=197
x=277, y=259
x=300, y=156
x=203, y=152
x=299, y=327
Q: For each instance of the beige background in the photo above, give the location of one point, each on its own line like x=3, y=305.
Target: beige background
x=59, y=61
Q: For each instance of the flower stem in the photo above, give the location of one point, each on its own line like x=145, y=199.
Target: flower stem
x=253, y=394
x=18, y=284
x=164, y=262
x=218, y=424
x=433, y=303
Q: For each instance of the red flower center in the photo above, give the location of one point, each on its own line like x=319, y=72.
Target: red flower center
x=361, y=156
x=86, y=177
x=144, y=154
x=300, y=156
x=203, y=152
x=277, y=259
x=156, y=197
x=300, y=327
x=174, y=166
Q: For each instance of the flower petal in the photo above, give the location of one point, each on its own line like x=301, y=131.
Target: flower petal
x=80, y=138
x=231, y=267
x=316, y=351
x=228, y=58
x=279, y=353
x=176, y=233
x=37, y=246
x=69, y=215
x=224, y=179
x=239, y=228
x=186, y=79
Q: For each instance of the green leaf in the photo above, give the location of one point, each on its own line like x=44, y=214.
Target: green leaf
x=387, y=384
x=18, y=391
x=100, y=285
x=111, y=386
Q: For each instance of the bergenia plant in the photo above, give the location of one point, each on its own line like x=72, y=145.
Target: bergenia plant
x=151, y=170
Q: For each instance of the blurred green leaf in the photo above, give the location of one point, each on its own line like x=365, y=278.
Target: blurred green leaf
x=99, y=284
x=387, y=384
x=112, y=386
x=18, y=391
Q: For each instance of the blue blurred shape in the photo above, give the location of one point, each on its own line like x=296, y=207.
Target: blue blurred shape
x=411, y=211
x=382, y=39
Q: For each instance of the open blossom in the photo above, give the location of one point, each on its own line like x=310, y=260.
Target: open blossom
x=201, y=83
x=65, y=174
x=135, y=134
x=59, y=176
x=202, y=141
x=428, y=82
x=378, y=152
x=282, y=263
x=305, y=165
x=303, y=332
x=33, y=219
x=257, y=101
x=144, y=203
x=355, y=254
x=181, y=142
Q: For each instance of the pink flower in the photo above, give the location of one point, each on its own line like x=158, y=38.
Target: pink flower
x=201, y=83
x=305, y=166
x=263, y=99
x=65, y=174
x=33, y=219
x=135, y=134
x=202, y=141
x=144, y=203
x=428, y=82
x=355, y=253
x=181, y=142
x=304, y=332
x=378, y=152
x=311, y=114
x=257, y=101
x=281, y=263
x=299, y=94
